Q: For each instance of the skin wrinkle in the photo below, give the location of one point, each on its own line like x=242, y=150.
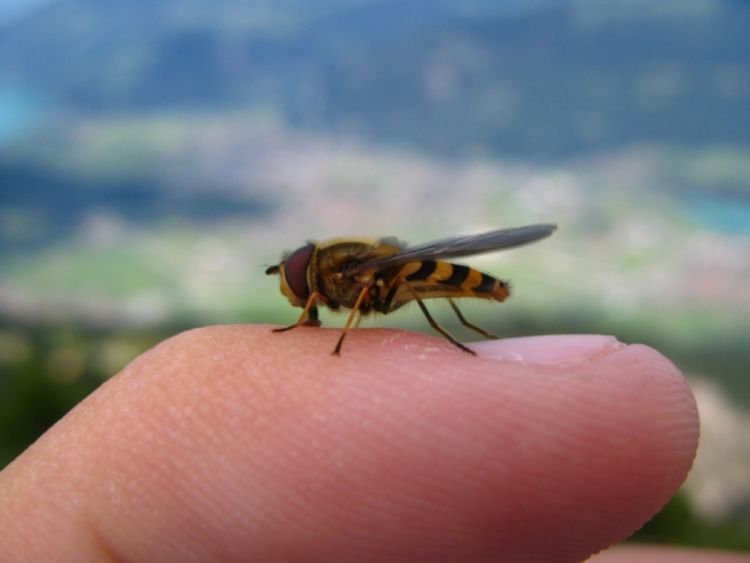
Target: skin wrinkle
x=381, y=406
x=380, y=442
x=220, y=517
x=349, y=478
x=140, y=494
x=174, y=419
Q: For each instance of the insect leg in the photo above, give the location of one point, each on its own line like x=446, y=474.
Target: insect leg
x=466, y=323
x=358, y=321
x=433, y=322
x=309, y=316
x=312, y=317
x=355, y=310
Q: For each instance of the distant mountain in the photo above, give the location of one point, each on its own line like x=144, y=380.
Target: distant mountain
x=534, y=79
x=56, y=203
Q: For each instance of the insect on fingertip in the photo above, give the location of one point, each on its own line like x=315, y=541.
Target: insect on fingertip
x=380, y=276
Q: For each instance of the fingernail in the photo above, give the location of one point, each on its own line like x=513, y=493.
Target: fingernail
x=553, y=350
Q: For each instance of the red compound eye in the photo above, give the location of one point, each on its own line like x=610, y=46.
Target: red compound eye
x=295, y=270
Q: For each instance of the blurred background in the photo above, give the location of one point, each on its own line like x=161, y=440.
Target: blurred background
x=156, y=155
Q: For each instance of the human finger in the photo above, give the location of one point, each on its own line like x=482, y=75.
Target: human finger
x=233, y=443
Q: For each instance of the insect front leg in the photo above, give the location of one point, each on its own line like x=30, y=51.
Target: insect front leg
x=309, y=316
x=467, y=324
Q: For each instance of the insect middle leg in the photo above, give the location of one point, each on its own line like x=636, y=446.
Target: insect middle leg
x=309, y=316
x=467, y=324
x=350, y=318
x=433, y=322
x=359, y=320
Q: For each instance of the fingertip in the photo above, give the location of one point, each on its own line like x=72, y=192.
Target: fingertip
x=615, y=423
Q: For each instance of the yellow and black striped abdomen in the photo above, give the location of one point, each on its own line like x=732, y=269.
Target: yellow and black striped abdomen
x=432, y=278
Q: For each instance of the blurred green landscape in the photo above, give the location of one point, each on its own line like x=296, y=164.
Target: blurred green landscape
x=156, y=156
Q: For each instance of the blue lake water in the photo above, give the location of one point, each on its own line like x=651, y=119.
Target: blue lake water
x=729, y=215
x=19, y=111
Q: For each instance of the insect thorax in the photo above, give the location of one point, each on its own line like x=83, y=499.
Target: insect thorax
x=340, y=287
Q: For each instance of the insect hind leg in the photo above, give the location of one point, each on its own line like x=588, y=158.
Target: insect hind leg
x=467, y=324
x=434, y=324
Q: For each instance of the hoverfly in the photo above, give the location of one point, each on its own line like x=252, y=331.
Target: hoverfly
x=382, y=275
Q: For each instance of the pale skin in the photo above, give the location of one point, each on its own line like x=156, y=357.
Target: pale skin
x=237, y=444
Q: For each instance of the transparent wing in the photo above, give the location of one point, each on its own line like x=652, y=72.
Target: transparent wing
x=455, y=247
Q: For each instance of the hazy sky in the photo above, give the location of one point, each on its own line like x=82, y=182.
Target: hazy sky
x=13, y=8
